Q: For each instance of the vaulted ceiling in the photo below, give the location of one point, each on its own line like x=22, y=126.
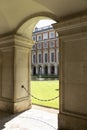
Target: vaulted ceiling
x=14, y=13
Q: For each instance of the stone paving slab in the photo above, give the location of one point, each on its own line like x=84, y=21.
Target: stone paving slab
x=33, y=119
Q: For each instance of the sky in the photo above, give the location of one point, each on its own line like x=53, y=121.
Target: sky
x=43, y=23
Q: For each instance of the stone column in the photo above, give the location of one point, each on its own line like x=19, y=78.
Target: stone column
x=15, y=63
x=73, y=73
x=42, y=69
x=48, y=69
x=56, y=69
x=36, y=69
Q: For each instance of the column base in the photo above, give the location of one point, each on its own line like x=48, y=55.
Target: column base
x=16, y=107
x=67, y=122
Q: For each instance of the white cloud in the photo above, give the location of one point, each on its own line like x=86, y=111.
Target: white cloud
x=43, y=23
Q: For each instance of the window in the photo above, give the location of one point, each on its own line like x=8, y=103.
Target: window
x=45, y=36
x=39, y=45
x=34, y=59
x=52, y=56
x=45, y=45
x=52, y=35
x=34, y=47
x=34, y=38
x=46, y=57
x=51, y=43
x=39, y=37
x=40, y=58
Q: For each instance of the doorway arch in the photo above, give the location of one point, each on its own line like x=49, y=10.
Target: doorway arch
x=46, y=70
x=26, y=27
x=26, y=31
x=34, y=70
x=52, y=69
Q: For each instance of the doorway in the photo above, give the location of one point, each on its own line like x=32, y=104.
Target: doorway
x=44, y=92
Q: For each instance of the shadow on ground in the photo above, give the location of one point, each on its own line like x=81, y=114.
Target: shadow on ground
x=6, y=117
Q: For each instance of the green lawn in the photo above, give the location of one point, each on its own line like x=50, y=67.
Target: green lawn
x=45, y=90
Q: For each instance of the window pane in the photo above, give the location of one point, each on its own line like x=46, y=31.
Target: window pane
x=45, y=36
x=51, y=43
x=40, y=60
x=39, y=37
x=34, y=38
x=52, y=35
x=52, y=57
x=45, y=45
x=46, y=58
x=34, y=59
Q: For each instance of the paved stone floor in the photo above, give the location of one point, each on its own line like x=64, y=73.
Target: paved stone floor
x=37, y=118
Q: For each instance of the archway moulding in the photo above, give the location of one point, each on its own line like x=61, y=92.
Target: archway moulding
x=26, y=27
x=34, y=18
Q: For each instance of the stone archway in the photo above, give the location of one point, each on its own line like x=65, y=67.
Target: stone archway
x=16, y=73
x=15, y=67
x=26, y=27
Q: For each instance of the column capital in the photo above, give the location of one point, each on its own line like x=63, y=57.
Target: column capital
x=16, y=40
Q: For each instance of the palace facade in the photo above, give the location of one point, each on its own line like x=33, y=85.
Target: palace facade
x=45, y=51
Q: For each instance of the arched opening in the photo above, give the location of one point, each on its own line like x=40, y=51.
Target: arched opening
x=45, y=50
x=26, y=30
x=34, y=70
x=46, y=70
x=52, y=70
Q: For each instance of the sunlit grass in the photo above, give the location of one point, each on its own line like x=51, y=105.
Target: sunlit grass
x=45, y=90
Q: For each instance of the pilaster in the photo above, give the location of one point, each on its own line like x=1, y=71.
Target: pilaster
x=56, y=69
x=15, y=63
x=42, y=69
x=49, y=69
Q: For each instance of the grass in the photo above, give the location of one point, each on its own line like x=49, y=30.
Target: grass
x=45, y=90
